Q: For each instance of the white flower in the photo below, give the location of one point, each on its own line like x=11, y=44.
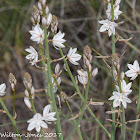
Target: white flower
x=2, y=89
x=58, y=40
x=119, y=98
x=73, y=57
x=134, y=70
x=33, y=56
x=37, y=34
x=47, y=115
x=82, y=77
x=117, y=12
x=108, y=26
x=125, y=88
x=54, y=84
x=36, y=122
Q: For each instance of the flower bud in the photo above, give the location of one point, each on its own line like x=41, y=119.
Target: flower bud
x=57, y=69
x=65, y=68
x=38, y=19
x=32, y=93
x=44, y=21
x=95, y=72
x=12, y=81
x=55, y=29
x=117, y=2
x=33, y=21
x=46, y=10
x=49, y=19
x=90, y=68
x=27, y=102
x=80, y=72
x=44, y=2
x=118, y=67
x=27, y=81
x=115, y=75
x=39, y=6
x=122, y=76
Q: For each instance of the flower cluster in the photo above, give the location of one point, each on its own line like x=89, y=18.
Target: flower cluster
x=109, y=24
x=83, y=76
x=120, y=96
x=40, y=121
x=29, y=91
x=38, y=35
x=43, y=20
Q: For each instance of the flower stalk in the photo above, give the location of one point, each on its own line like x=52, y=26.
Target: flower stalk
x=123, y=123
x=14, y=103
x=11, y=118
x=80, y=95
x=50, y=90
x=81, y=113
x=113, y=51
x=137, y=116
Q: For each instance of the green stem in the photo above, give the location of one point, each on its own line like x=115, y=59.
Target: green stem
x=113, y=51
x=32, y=103
x=71, y=113
x=14, y=103
x=34, y=110
x=113, y=126
x=81, y=113
x=54, y=107
x=137, y=116
x=11, y=118
x=74, y=121
x=123, y=111
x=123, y=124
x=83, y=91
x=78, y=91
